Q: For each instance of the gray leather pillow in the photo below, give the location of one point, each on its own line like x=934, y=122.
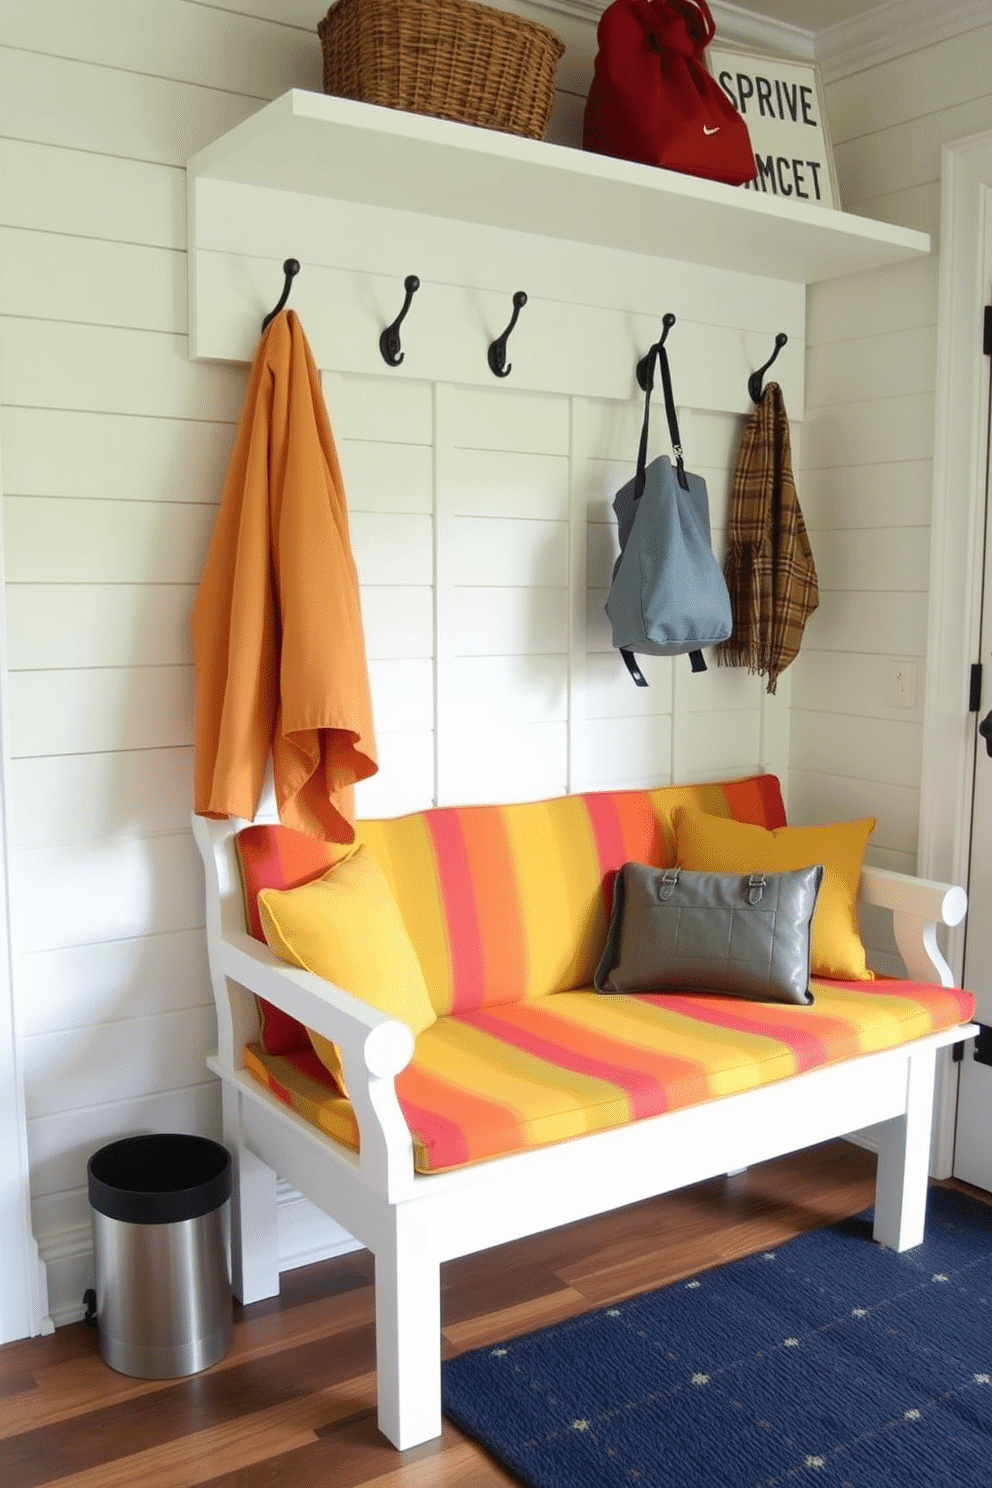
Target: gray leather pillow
x=739, y=934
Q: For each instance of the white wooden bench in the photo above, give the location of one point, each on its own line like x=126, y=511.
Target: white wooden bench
x=413, y=1222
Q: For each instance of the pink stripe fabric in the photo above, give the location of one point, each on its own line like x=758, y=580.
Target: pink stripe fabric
x=808, y=1043
x=458, y=894
x=647, y=1097
x=607, y=831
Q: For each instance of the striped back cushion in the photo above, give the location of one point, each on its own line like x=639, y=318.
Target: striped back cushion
x=504, y=903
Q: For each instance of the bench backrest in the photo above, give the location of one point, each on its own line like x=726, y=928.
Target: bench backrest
x=502, y=903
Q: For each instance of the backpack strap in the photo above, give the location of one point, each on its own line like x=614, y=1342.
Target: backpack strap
x=640, y=475
x=673, y=423
x=697, y=662
x=630, y=662
x=659, y=353
x=696, y=659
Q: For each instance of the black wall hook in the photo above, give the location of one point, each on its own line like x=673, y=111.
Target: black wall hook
x=291, y=267
x=497, y=348
x=389, y=341
x=754, y=386
x=644, y=364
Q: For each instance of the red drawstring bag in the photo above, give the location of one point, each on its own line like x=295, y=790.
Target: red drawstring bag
x=652, y=99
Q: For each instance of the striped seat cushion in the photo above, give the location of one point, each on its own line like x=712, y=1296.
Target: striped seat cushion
x=503, y=1079
x=502, y=903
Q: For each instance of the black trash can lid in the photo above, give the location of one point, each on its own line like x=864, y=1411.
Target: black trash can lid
x=160, y=1179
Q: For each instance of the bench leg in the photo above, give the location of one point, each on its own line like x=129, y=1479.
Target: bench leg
x=903, y=1173
x=407, y=1337
x=254, y=1221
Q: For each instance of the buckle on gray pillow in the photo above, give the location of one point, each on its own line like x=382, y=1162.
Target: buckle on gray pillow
x=755, y=887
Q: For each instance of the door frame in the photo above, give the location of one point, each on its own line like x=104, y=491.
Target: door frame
x=957, y=533
x=956, y=553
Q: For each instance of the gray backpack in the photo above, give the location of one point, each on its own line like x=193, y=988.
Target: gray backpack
x=668, y=594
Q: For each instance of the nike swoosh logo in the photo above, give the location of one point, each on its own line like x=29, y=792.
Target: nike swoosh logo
x=711, y=131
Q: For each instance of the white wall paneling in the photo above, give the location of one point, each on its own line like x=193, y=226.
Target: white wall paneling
x=115, y=445
x=65, y=798
x=100, y=709
x=103, y=196
x=911, y=32
x=875, y=496
x=55, y=452
x=24, y=1305
x=111, y=111
x=194, y=44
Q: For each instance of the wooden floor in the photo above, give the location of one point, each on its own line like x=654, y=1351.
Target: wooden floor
x=292, y=1404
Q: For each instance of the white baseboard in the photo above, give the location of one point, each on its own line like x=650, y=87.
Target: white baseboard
x=941, y=1142
x=862, y=1139
x=306, y=1235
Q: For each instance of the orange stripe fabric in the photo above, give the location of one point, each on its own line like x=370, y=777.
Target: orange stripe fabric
x=626, y=828
x=641, y=828
x=498, y=904
x=453, y=1125
x=758, y=800
x=279, y=857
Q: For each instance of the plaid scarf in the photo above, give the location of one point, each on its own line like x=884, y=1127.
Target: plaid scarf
x=769, y=569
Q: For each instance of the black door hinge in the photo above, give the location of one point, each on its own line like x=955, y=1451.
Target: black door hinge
x=975, y=688
x=983, y=1045
x=987, y=332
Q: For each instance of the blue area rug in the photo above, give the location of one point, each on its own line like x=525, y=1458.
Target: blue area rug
x=827, y=1361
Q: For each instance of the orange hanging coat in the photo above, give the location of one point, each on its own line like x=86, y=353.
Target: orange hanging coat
x=277, y=634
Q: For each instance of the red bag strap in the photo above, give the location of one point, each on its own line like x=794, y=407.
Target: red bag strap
x=699, y=20
x=666, y=16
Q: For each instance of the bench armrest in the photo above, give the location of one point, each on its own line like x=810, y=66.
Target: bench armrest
x=374, y=1048
x=918, y=906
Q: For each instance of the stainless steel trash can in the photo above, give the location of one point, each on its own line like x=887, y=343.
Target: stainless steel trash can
x=160, y=1212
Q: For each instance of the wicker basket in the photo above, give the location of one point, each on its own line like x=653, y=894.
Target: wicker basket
x=452, y=59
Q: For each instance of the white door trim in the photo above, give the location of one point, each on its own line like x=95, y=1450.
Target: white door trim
x=958, y=520
x=957, y=542
x=23, y=1284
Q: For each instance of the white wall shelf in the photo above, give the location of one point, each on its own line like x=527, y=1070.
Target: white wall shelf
x=334, y=148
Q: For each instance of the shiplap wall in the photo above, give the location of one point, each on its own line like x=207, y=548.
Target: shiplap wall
x=115, y=446
x=483, y=584
x=868, y=447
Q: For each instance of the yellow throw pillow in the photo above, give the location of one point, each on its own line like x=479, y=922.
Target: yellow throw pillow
x=724, y=846
x=346, y=926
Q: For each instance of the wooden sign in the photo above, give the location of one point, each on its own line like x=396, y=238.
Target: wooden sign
x=781, y=101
